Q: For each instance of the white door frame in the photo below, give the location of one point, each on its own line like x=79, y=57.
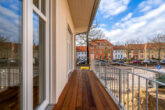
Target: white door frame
x=27, y=79
x=69, y=51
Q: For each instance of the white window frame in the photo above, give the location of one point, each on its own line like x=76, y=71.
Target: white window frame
x=27, y=89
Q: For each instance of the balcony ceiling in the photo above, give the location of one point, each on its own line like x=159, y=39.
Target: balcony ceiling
x=83, y=12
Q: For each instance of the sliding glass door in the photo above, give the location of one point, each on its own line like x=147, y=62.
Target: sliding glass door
x=10, y=54
x=69, y=49
x=24, y=54
x=40, y=54
x=38, y=60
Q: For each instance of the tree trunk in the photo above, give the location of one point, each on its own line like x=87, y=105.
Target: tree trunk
x=87, y=49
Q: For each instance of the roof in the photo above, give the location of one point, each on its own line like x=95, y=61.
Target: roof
x=154, y=45
x=83, y=13
x=81, y=48
x=119, y=47
x=135, y=46
x=94, y=42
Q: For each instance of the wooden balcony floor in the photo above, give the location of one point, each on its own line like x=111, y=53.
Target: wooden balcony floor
x=84, y=92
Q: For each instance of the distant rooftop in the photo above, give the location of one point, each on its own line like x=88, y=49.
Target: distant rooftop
x=81, y=48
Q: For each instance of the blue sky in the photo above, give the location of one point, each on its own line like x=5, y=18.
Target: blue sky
x=35, y=28
x=123, y=20
x=11, y=20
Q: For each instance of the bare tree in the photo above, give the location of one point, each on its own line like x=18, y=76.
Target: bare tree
x=158, y=43
x=119, y=43
x=2, y=38
x=94, y=34
x=128, y=48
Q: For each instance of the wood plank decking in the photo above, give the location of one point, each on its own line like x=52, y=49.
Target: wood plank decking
x=84, y=92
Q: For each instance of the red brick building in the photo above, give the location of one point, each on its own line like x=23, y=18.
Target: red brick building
x=102, y=49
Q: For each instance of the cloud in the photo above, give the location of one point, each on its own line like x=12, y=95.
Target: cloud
x=10, y=23
x=113, y=7
x=7, y=12
x=127, y=17
x=149, y=4
x=141, y=27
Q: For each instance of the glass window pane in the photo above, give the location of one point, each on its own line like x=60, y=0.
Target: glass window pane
x=36, y=3
x=10, y=54
x=43, y=6
x=38, y=60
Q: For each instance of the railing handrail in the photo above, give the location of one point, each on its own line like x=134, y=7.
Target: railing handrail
x=159, y=72
x=163, y=84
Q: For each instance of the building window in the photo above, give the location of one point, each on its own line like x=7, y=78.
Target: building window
x=36, y=3
x=92, y=47
x=40, y=4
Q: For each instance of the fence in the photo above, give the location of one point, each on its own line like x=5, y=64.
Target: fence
x=131, y=90
x=9, y=77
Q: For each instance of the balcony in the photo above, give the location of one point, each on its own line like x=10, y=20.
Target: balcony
x=85, y=92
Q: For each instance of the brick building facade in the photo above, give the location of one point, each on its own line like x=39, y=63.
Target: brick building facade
x=102, y=49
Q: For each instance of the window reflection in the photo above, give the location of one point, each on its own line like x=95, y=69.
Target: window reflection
x=43, y=6
x=10, y=54
x=36, y=3
x=38, y=60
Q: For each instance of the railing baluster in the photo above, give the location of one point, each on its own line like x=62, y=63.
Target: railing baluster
x=123, y=88
x=139, y=93
x=157, y=103
x=127, y=91
x=105, y=76
x=0, y=80
x=112, y=78
x=120, y=87
x=99, y=69
x=133, y=90
x=146, y=94
x=114, y=81
x=111, y=70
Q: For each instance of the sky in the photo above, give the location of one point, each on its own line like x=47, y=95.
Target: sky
x=11, y=20
x=123, y=20
x=35, y=29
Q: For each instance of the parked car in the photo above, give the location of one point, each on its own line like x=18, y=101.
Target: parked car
x=136, y=62
x=81, y=62
x=102, y=62
x=120, y=61
x=162, y=61
x=146, y=61
x=153, y=61
x=113, y=62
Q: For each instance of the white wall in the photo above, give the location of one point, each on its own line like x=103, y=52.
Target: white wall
x=62, y=19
